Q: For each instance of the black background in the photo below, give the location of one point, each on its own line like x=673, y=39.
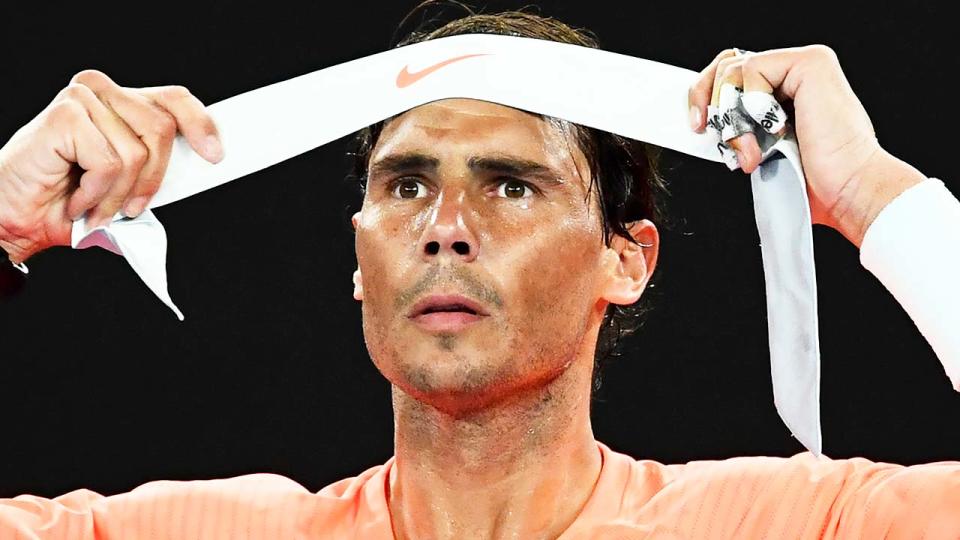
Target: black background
x=102, y=387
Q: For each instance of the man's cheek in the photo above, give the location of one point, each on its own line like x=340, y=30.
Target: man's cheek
x=556, y=288
x=375, y=289
x=548, y=291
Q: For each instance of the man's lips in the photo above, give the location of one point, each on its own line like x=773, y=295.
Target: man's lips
x=446, y=312
x=435, y=303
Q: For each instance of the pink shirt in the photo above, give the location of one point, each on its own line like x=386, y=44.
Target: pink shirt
x=746, y=497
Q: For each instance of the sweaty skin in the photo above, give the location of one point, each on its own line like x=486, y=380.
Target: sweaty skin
x=487, y=415
x=493, y=435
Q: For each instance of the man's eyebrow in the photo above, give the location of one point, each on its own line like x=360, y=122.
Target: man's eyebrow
x=406, y=162
x=514, y=166
x=497, y=163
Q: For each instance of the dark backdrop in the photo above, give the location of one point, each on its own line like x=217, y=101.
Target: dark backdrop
x=102, y=387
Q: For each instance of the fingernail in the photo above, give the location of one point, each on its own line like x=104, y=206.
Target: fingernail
x=212, y=149
x=695, y=118
x=135, y=206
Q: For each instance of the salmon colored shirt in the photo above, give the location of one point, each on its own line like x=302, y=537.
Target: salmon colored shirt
x=745, y=497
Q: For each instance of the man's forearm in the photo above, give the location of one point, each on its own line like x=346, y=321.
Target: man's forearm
x=866, y=194
x=913, y=247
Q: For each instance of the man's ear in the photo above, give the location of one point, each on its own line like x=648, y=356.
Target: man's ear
x=357, y=285
x=629, y=265
x=357, y=277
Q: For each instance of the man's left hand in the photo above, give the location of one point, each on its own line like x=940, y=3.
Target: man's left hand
x=850, y=178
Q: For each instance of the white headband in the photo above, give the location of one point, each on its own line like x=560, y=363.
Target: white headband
x=636, y=98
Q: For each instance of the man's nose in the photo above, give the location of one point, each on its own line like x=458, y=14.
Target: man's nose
x=446, y=233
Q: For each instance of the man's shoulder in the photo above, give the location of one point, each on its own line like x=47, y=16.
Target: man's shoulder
x=273, y=504
x=256, y=490
x=774, y=464
x=351, y=486
x=260, y=488
x=773, y=496
x=751, y=478
x=803, y=467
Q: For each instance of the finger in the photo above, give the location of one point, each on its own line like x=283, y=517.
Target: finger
x=133, y=154
x=781, y=69
x=89, y=148
x=747, y=150
x=727, y=74
x=698, y=96
x=728, y=71
x=192, y=119
x=735, y=122
x=759, y=102
x=737, y=129
x=152, y=124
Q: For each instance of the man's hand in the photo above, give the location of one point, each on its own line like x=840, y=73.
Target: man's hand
x=850, y=178
x=97, y=148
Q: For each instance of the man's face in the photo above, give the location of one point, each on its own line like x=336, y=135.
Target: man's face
x=480, y=254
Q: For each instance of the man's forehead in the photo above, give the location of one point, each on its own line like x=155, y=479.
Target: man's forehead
x=453, y=119
x=476, y=126
x=467, y=109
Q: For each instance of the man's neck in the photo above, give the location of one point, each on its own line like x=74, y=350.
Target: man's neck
x=520, y=469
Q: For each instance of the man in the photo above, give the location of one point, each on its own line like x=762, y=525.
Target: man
x=490, y=246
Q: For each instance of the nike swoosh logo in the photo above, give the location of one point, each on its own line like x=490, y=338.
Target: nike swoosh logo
x=405, y=78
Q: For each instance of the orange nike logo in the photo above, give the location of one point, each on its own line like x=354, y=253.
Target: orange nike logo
x=405, y=78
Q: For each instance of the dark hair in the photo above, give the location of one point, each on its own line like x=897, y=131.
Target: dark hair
x=624, y=171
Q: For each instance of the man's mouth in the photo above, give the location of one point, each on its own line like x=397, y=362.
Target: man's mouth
x=446, y=313
x=449, y=309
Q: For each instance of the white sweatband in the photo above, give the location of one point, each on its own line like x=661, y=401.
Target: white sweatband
x=632, y=97
x=913, y=248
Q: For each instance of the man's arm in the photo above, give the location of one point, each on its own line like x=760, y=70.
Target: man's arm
x=256, y=506
x=892, y=501
x=806, y=497
x=68, y=516
x=859, y=498
x=913, y=248
x=118, y=138
x=907, y=226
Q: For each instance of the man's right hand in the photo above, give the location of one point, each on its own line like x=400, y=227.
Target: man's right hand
x=97, y=148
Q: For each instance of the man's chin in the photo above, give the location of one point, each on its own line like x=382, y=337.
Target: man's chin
x=458, y=372
x=463, y=337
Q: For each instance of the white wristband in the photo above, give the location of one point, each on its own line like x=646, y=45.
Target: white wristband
x=913, y=248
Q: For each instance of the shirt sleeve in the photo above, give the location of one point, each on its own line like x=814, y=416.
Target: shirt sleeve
x=806, y=497
x=31, y=517
x=256, y=506
x=913, y=248
x=883, y=500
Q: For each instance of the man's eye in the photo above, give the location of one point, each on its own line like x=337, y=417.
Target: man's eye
x=514, y=189
x=409, y=189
